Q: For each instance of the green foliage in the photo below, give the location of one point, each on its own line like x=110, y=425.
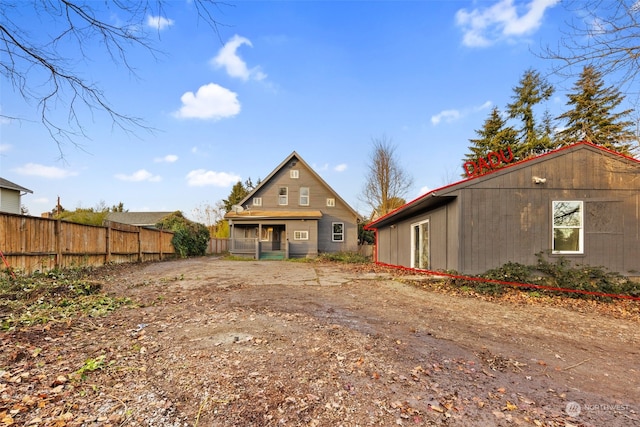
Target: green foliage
x=591, y=116
x=559, y=274
x=346, y=257
x=189, y=238
x=88, y=216
x=494, y=136
x=238, y=192
x=56, y=295
x=366, y=237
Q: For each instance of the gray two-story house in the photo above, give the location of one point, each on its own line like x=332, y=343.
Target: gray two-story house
x=292, y=213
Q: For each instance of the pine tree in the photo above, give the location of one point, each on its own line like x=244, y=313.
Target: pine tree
x=592, y=117
x=238, y=192
x=532, y=90
x=547, y=138
x=494, y=136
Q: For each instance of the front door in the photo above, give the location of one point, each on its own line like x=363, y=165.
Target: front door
x=272, y=236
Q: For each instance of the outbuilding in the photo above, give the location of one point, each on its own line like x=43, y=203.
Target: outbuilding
x=580, y=202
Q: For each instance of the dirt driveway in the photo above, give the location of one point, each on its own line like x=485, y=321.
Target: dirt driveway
x=233, y=343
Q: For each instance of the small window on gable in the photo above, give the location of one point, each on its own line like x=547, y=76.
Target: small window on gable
x=337, y=232
x=568, y=227
x=283, y=196
x=257, y=201
x=304, y=196
x=294, y=174
x=301, y=235
x=331, y=202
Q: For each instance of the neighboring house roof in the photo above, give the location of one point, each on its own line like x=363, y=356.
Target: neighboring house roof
x=282, y=165
x=443, y=195
x=12, y=186
x=250, y=214
x=140, y=219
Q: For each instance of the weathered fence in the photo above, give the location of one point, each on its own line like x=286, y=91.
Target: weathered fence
x=32, y=243
x=218, y=246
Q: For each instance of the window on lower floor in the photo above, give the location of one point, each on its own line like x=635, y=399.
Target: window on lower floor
x=568, y=227
x=337, y=234
x=301, y=235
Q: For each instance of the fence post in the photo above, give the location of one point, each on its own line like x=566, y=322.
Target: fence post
x=160, y=244
x=107, y=255
x=57, y=233
x=139, y=244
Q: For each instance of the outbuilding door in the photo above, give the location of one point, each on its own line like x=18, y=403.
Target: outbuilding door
x=420, y=245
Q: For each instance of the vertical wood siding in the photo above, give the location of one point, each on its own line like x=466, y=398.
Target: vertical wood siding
x=32, y=243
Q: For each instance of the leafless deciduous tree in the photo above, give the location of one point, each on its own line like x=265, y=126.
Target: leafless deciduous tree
x=387, y=183
x=604, y=34
x=43, y=70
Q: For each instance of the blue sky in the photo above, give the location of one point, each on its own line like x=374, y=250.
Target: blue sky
x=322, y=78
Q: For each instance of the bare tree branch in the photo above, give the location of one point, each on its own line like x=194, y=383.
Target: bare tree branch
x=43, y=72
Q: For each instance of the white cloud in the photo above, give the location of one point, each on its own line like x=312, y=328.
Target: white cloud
x=169, y=158
x=201, y=178
x=52, y=172
x=234, y=65
x=341, y=167
x=210, y=102
x=446, y=115
x=449, y=116
x=504, y=19
x=138, y=176
x=159, y=22
x=5, y=147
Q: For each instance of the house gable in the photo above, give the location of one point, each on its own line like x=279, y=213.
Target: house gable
x=10, y=196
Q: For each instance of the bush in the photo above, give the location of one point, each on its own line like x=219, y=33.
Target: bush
x=189, y=238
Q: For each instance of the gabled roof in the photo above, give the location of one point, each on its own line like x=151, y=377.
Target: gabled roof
x=11, y=186
x=445, y=194
x=285, y=162
x=137, y=218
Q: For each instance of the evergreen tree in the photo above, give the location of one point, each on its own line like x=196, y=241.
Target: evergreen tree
x=495, y=135
x=547, y=138
x=532, y=90
x=592, y=117
x=238, y=192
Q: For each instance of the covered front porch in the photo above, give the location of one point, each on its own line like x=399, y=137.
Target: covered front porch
x=273, y=235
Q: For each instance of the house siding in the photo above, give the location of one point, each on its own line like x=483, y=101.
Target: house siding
x=9, y=201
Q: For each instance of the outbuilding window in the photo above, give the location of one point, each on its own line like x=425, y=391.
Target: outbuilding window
x=568, y=227
x=420, y=245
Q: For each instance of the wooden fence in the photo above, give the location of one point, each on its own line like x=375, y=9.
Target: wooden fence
x=218, y=246
x=31, y=243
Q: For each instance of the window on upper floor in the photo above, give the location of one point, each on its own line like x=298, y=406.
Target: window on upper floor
x=294, y=174
x=331, y=202
x=257, y=201
x=304, y=196
x=283, y=196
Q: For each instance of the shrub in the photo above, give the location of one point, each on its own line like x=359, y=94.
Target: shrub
x=190, y=238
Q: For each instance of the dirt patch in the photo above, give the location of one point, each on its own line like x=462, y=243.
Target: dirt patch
x=225, y=343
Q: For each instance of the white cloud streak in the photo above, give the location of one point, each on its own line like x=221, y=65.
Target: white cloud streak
x=341, y=167
x=203, y=178
x=505, y=19
x=51, y=172
x=449, y=116
x=229, y=59
x=159, y=22
x=169, y=158
x=139, y=176
x=210, y=102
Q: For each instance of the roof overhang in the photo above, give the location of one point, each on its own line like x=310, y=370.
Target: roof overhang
x=253, y=215
x=428, y=202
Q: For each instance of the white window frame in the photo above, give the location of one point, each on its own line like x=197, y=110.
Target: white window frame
x=283, y=199
x=257, y=201
x=421, y=249
x=331, y=202
x=572, y=226
x=301, y=235
x=294, y=174
x=305, y=199
x=334, y=233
